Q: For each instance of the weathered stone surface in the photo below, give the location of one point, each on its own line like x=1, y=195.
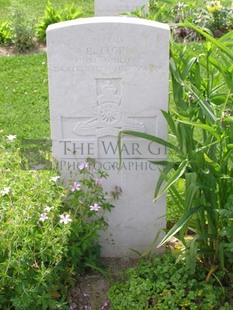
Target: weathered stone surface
x=107, y=74
x=116, y=7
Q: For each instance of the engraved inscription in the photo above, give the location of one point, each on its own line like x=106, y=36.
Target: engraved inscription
x=109, y=50
x=110, y=118
x=107, y=40
x=107, y=54
x=108, y=148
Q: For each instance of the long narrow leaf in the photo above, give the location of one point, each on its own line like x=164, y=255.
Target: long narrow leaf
x=175, y=72
x=204, y=106
x=170, y=121
x=163, y=176
x=160, y=162
x=149, y=137
x=228, y=153
x=188, y=67
x=192, y=188
x=182, y=221
x=216, y=42
x=171, y=180
x=202, y=126
x=192, y=254
x=176, y=195
x=226, y=72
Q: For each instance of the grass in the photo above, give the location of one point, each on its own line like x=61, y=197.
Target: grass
x=24, y=96
x=37, y=7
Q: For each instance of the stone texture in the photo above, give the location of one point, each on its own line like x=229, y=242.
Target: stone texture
x=116, y=7
x=107, y=74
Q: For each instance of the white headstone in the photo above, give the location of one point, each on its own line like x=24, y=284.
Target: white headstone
x=107, y=74
x=117, y=7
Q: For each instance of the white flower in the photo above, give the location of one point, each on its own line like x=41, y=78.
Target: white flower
x=47, y=209
x=95, y=207
x=11, y=137
x=75, y=187
x=99, y=181
x=54, y=179
x=43, y=217
x=5, y=191
x=81, y=166
x=65, y=218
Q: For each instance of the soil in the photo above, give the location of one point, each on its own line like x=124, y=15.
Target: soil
x=9, y=50
x=6, y=51
x=90, y=292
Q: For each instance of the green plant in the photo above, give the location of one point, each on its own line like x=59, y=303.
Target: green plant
x=226, y=232
x=25, y=104
x=48, y=233
x=5, y=33
x=30, y=250
x=71, y=12
x=201, y=126
x=168, y=11
x=162, y=283
x=23, y=30
x=219, y=18
x=162, y=10
x=37, y=7
x=214, y=17
x=52, y=16
x=87, y=203
x=174, y=208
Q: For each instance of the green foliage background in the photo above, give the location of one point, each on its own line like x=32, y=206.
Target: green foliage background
x=36, y=8
x=24, y=96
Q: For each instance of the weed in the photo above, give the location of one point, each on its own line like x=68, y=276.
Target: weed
x=5, y=33
x=162, y=283
x=52, y=16
x=48, y=233
x=23, y=30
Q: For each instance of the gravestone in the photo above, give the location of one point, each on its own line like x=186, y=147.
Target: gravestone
x=116, y=7
x=107, y=74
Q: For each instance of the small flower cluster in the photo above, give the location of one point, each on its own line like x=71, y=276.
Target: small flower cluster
x=54, y=179
x=5, y=191
x=44, y=215
x=99, y=181
x=95, y=207
x=219, y=18
x=82, y=166
x=11, y=137
x=64, y=218
x=214, y=6
x=75, y=187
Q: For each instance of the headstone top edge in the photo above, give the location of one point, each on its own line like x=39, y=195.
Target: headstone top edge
x=108, y=20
